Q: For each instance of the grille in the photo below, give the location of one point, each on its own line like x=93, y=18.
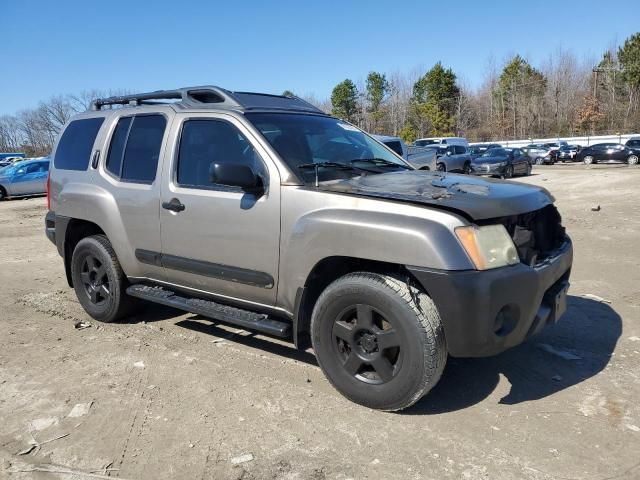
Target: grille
x=537, y=235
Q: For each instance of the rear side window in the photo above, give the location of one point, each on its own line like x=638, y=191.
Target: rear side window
x=395, y=146
x=135, y=148
x=76, y=143
x=460, y=149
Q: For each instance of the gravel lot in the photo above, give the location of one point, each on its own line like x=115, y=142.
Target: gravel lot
x=172, y=396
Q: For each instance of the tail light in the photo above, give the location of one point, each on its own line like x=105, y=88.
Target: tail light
x=49, y=191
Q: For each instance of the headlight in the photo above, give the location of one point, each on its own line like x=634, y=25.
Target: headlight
x=501, y=164
x=488, y=247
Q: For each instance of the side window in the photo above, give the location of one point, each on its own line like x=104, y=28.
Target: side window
x=460, y=149
x=33, y=168
x=135, y=148
x=451, y=149
x=395, y=146
x=204, y=143
x=76, y=143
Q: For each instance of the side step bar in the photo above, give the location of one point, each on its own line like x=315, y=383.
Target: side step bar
x=243, y=318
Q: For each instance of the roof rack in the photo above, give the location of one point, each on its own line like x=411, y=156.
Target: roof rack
x=211, y=96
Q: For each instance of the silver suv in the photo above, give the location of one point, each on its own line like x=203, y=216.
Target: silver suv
x=264, y=212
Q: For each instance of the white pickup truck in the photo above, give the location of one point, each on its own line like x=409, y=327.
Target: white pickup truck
x=419, y=157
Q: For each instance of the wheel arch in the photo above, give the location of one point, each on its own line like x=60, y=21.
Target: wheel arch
x=326, y=271
x=74, y=231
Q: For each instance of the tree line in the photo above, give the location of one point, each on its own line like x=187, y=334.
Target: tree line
x=562, y=97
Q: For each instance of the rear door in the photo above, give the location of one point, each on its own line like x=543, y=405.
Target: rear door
x=26, y=179
x=132, y=168
x=223, y=241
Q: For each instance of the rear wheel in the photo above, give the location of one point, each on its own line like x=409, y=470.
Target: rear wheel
x=539, y=161
x=467, y=168
x=378, y=340
x=632, y=160
x=588, y=160
x=98, y=279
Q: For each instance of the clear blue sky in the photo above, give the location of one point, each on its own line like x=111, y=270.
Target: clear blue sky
x=56, y=46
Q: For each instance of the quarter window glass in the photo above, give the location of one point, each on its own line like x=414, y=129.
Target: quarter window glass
x=204, y=143
x=118, y=141
x=76, y=143
x=395, y=146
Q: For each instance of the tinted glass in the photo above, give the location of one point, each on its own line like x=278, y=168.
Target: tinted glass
x=633, y=143
x=116, y=149
x=301, y=139
x=395, y=146
x=141, y=153
x=204, y=143
x=76, y=143
x=460, y=149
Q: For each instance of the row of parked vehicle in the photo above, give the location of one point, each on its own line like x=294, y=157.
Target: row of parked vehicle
x=23, y=177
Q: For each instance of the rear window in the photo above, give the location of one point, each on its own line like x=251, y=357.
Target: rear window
x=135, y=148
x=76, y=143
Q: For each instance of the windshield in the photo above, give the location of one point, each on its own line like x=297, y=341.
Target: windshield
x=8, y=170
x=495, y=152
x=304, y=141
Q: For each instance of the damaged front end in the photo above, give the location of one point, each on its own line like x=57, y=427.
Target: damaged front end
x=537, y=235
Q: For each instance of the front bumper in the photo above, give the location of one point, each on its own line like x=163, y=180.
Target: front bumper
x=488, y=169
x=487, y=312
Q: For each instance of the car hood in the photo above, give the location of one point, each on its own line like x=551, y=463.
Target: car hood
x=473, y=197
x=490, y=159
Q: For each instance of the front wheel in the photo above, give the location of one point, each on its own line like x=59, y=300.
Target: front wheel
x=632, y=160
x=588, y=160
x=441, y=167
x=3, y=194
x=508, y=173
x=98, y=279
x=467, y=168
x=528, y=172
x=379, y=340
x=539, y=161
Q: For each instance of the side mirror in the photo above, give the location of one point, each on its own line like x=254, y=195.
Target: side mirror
x=19, y=172
x=449, y=153
x=235, y=176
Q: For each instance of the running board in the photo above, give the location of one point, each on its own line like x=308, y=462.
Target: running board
x=242, y=318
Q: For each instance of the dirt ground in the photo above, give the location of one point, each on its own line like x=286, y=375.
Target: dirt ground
x=171, y=396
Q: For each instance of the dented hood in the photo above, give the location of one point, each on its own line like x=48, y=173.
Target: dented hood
x=474, y=197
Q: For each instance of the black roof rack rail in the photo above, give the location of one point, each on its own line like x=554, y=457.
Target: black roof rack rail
x=211, y=95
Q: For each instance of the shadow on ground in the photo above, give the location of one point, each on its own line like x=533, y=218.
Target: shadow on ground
x=540, y=367
x=575, y=349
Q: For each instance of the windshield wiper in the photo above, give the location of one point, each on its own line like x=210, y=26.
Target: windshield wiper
x=380, y=162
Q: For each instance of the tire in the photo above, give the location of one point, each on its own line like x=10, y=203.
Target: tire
x=3, y=194
x=98, y=280
x=529, y=168
x=632, y=160
x=351, y=319
x=588, y=160
x=467, y=168
x=441, y=167
x=508, y=172
x=539, y=161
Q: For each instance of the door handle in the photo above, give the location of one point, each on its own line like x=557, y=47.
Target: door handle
x=174, y=205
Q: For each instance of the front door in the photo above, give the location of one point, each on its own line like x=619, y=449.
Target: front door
x=29, y=179
x=218, y=238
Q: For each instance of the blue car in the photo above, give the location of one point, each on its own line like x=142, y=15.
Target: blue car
x=25, y=178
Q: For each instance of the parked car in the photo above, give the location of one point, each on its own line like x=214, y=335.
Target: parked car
x=477, y=149
x=452, y=158
x=502, y=162
x=565, y=153
x=8, y=159
x=419, y=157
x=539, y=153
x=424, y=142
x=264, y=212
x=24, y=178
x=633, y=142
x=607, y=152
